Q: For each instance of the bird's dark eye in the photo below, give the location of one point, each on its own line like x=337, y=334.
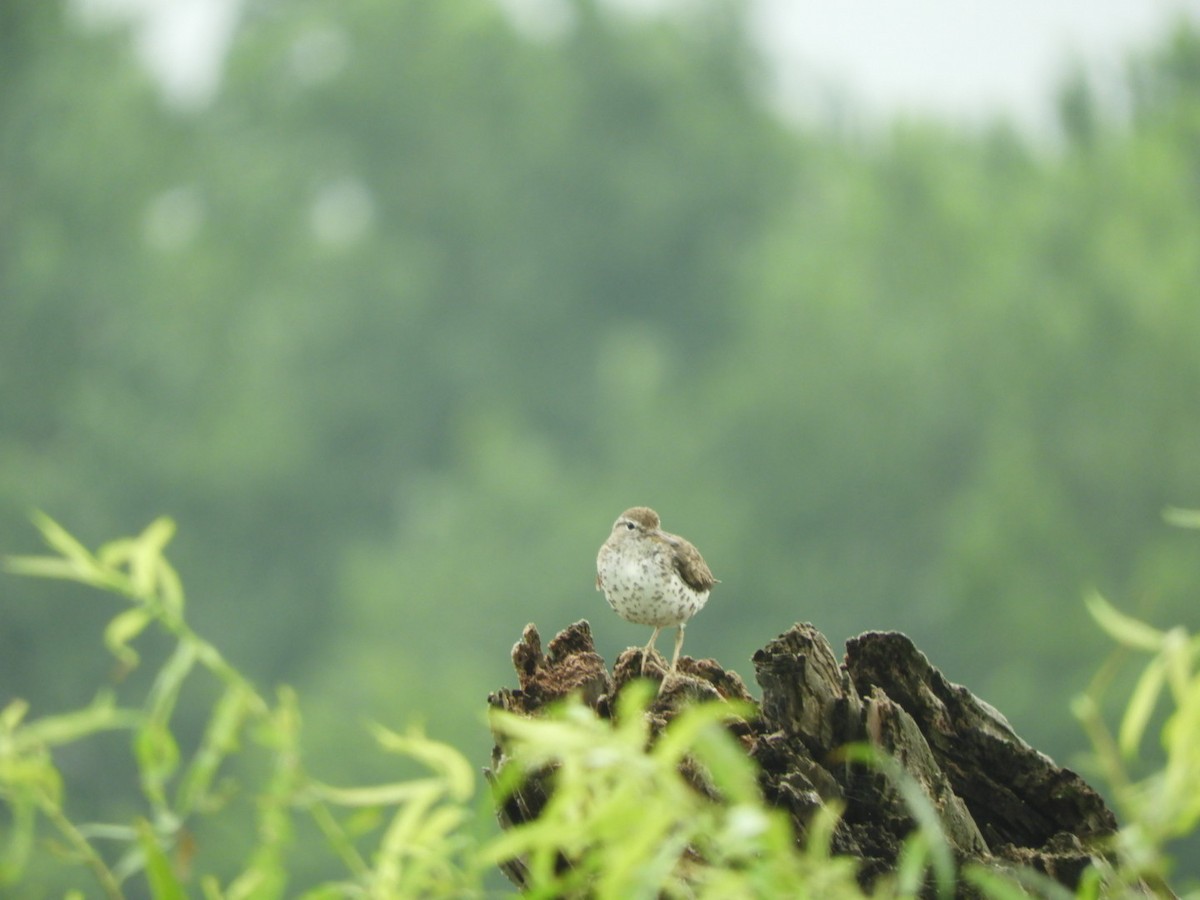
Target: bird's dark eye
x=630, y=526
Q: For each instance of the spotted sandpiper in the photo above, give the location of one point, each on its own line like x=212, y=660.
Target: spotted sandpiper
x=652, y=577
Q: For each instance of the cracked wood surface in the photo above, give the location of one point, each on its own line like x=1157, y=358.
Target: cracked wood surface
x=1000, y=801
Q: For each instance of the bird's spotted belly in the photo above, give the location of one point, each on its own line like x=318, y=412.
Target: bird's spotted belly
x=645, y=592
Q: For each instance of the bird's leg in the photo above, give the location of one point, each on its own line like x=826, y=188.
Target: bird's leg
x=649, y=647
x=678, y=646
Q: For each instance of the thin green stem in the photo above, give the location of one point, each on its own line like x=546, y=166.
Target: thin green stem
x=108, y=881
x=336, y=836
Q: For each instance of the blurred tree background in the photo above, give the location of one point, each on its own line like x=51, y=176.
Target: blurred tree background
x=401, y=321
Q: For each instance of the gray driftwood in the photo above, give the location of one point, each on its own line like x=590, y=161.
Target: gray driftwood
x=1001, y=802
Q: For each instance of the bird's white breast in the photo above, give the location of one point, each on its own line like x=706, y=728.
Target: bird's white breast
x=647, y=589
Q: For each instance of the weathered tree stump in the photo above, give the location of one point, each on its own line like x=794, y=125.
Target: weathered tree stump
x=1000, y=801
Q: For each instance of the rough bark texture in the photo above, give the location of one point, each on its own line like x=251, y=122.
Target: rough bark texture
x=1000, y=801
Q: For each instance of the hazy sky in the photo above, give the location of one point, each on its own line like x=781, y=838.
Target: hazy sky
x=964, y=59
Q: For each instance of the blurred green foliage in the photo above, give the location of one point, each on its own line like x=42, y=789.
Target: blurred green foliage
x=186, y=785
x=399, y=323
x=623, y=818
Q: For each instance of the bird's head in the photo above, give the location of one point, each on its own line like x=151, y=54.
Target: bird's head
x=637, y=520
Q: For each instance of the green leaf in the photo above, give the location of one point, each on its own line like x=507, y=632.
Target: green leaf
x=101, y=715
x=211, y=886
x=19, y=841
x=927, y=846
x=912, y=864
x=1015, y=884
x=108, y=832
x=45, y=567
x=116, y=554
x=265, y=878
x=325, y=892
x=75, y=563
x=160, y=874
x=122, y=629
x=169, y=681
x=33, y=777
x=12, y=715
x=157, y=756
x=1182, y=518
x=1122, y=628
x=700, y=732
x=170, y=587
x=58, y=538
x=1177, y=654
x=379, y=795
x=1141, y=706
x=146, y=561
x=456, y=770
x=220, y=739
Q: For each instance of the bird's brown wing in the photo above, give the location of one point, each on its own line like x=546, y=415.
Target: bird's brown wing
x=689, y=563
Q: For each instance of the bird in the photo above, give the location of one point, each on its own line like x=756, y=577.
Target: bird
x=652, y=577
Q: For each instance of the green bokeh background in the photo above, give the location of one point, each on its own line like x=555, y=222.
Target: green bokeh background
x=400, y=322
